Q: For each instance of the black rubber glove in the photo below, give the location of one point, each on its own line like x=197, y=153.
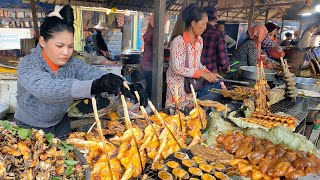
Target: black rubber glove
x=130, y=94
x=85, y=106
x=109, y=83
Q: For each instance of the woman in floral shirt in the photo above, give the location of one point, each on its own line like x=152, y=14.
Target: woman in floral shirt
x=187, y=46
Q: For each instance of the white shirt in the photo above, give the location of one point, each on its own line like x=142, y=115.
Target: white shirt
x=305, y=41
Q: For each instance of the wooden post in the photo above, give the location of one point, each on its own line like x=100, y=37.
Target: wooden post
x=253, y=2
x=35, y=19
x=300, y=28
x=158, y=48
x=267, y=15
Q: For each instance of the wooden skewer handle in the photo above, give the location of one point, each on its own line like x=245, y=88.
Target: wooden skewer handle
x=196, y=105
x=137, y=95
x=129, y=127
x=102, y=138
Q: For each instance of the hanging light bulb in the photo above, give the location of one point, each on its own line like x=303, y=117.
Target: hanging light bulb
x=307, y=9
x=317, y=8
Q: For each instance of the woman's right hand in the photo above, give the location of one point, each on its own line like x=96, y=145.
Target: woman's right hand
x=211, y=77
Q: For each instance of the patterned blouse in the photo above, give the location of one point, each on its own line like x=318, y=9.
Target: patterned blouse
x=247, y=54
x=177, y=70
x=267, y=43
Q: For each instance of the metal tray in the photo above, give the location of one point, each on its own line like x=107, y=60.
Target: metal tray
x=249, y=72
x=307, y=83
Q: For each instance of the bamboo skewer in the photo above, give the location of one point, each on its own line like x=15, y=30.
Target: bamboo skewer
x=283, y=65
x=129, y=126
x=286, y=62
x=163, y=123
x=176, y=96
x=125, y=84
x=196, y=105
x=102, y=138
x=138, y=96
x=90, y=129
x=257, y=74
x=226, y=111
x=145, y=114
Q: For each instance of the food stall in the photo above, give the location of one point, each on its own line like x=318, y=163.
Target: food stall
x=250, y=132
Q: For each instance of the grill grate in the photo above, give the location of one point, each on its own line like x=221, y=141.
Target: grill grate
x=299, y=109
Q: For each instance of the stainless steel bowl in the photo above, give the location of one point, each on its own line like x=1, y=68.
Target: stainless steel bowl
x=3, y=110
x=249, y=72
x=307, y=83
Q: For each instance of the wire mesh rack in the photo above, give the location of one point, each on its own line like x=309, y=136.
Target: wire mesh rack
x=299, y=109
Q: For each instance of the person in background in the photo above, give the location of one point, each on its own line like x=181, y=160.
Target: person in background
x=230, y=42
x=214, y=55
x=248, y=53
x=50, y=78
x=99, y=45
x=268, y=43
x=306, y=36
x=287, y=41
x=146, y=58
x=89, y=41
x=187, y=48
x=296, y=39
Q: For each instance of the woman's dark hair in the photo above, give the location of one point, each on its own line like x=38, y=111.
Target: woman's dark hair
x=192, y=13
x=211, y=12
x=54, y=24
x=288, y=34
x=271, y=26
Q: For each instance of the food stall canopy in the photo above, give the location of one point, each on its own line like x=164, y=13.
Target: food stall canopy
x=229, y=10
x=239, y=10
x=172, y=6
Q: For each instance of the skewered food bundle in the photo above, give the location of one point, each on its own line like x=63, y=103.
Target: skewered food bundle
x=128, y=153
x=239, y=93
x=214, y=104
x=290, y=82
x=32, y=154
x=291, y=85
x=271, y=120
x=261, y=159
x=195, y=124
x=262, y=116
x=261, y=90
x=93, y=151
